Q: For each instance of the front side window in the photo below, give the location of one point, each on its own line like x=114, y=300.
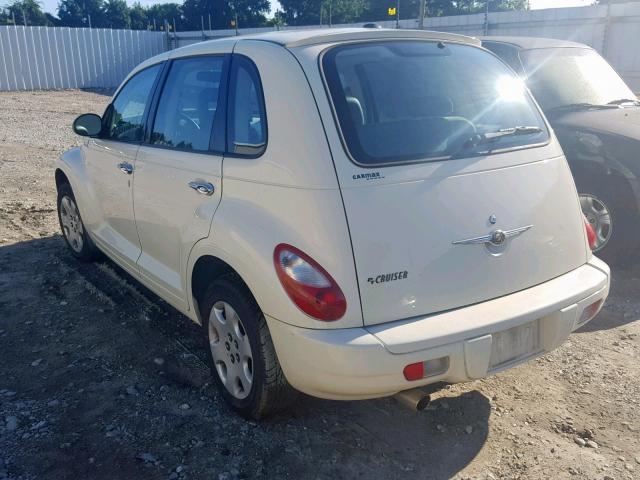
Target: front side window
x=247, y=120
x=125, y=116
x=566, y=77
x=408, y=101
x=188, y=104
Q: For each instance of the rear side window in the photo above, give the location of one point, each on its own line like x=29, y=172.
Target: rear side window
x=247, y=119
x=188, y=105
x=408, y=101
x=124, y=120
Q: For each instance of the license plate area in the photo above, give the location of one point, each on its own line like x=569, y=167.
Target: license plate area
x=514, y=345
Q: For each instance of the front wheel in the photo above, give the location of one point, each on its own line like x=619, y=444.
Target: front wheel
x=73, y=230
x=612, y=213
x=242, y=355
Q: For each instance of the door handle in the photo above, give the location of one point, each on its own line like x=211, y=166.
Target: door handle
x=205, y=188
x=126, y=168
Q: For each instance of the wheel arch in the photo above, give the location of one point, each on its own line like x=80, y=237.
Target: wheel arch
x=61, y=178
x=206, y=269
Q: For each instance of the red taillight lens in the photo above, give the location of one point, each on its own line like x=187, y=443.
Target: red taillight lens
x=308, y=285
x=414, y=371
x=591, y=234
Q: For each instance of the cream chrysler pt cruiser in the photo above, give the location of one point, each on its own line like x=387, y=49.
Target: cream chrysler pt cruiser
x=348, y=213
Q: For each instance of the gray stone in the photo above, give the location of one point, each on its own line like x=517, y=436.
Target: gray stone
x=37, y=362
x=11, y=423
x=132, y=390
x=146, y=458
x=579, y=441
x=592, y=444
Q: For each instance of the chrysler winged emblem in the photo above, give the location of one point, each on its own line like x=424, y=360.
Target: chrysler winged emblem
x=495, y=238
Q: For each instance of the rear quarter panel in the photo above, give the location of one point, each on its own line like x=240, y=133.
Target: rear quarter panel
x=290, y=195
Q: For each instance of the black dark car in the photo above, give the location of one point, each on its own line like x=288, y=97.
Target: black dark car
x=596, y=117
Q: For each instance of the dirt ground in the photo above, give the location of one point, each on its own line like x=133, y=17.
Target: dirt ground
x=101, y=379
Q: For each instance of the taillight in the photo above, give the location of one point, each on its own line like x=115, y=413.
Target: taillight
x=591, y=233
x=308, y=285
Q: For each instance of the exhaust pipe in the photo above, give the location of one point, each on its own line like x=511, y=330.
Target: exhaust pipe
x=416, y=399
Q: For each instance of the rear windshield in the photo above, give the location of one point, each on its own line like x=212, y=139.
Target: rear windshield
x=405, y=101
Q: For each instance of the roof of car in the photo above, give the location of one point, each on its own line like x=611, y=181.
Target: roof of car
x=297, y=38
x=311, y=36
x=529, y=43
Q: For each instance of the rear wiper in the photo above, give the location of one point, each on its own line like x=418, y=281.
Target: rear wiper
x=505, y=132
x=488, y=137
x=622, y=101
x=576, y=106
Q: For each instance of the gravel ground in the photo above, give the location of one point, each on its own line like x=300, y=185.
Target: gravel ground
x=101, y=379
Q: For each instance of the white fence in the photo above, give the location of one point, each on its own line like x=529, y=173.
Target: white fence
x=40, y=58
x=46, y=58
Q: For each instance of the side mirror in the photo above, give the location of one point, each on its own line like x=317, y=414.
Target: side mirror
x=88, y=125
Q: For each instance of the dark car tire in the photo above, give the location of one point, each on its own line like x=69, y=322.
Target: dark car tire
x=269, y=391
x=77, y=238
x=624, y=239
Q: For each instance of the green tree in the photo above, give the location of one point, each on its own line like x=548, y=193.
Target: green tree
x=166, y=11
x=77, y=13
x=115, y=14
x=250, y=13
x=308, y=12
x=25, y=12
x=138, y=17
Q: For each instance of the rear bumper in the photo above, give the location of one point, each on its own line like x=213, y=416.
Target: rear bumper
x=358, y=363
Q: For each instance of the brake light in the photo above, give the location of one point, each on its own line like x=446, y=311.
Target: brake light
x=308, y=285
x=591, y=233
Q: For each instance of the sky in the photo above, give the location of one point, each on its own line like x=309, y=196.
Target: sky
x=52, y=5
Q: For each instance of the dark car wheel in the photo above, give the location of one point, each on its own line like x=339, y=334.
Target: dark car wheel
x=611, y=211
x=73, y=230
x=243, y=358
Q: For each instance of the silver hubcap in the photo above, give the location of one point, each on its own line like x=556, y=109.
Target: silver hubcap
x=230, y=349
x=71, y=224
x=599, y=217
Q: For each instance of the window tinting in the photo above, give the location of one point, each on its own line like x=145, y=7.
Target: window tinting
x=188, y=104
x=400, y=101
x=247, y=129
x=507, y=53
x=125, y=116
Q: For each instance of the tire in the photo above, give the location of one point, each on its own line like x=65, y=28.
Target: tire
x=73, y=230
x=265, y=389
x=615, y=197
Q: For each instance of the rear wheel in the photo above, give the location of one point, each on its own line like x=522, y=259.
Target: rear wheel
x=73, y=230
x=242, y=355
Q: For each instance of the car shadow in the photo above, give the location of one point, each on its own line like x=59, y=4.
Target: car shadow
x=623, y=305
x=107, y=92
x=378, y=438
x=436, y=443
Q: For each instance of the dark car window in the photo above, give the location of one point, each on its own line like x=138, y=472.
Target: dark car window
x=559, y=77
x=124, y=119
x=399, y=101
x=188, y=104
x=247, y=117
x=508, y=53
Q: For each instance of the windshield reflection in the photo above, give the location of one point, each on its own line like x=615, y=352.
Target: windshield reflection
x=562, y=77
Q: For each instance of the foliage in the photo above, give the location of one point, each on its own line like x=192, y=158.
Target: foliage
x=249, y=13
x=25, y=12
x=196, y=14
x=79, y=13
x=115, y=14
